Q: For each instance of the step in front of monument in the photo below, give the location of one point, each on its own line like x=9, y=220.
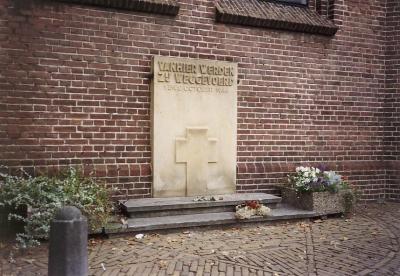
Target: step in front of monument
x=161, y=207
x=283, y=212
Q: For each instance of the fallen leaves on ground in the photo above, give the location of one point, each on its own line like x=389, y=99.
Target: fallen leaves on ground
x=335, y=243
x=303, y=225
x=171, y=240
x=29, y=261
x=139, y=236
x=93, y=242
x=163, y=264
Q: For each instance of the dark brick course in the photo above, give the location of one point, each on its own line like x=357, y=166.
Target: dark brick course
x=273, y=15
x=169, y=7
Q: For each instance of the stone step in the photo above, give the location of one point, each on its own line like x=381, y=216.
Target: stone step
x=159, y=207
x=208, y=219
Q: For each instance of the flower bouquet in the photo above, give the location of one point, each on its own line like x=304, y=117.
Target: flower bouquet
x=250, y=209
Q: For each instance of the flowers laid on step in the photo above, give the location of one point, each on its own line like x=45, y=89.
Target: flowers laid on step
x=311, y=179
x=250, y=209
x=207, y=198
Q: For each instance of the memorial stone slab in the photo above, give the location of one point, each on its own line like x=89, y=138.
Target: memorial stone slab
x=194, y=115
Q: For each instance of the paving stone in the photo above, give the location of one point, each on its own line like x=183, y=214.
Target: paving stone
x=222, y=267
x=366, y=244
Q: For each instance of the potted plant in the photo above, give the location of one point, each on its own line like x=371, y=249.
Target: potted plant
x=318, y=189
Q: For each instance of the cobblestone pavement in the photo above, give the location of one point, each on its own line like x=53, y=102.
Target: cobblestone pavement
x=366, y=244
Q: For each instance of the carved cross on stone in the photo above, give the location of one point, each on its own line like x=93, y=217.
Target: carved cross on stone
x=196, y=150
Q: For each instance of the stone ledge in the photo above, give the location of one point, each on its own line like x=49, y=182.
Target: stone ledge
x=259, y=13
x=181, y=203
x=283, y=213
x=168, y=7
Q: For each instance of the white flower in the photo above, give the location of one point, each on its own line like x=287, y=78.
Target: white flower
x=244, y=213
x=263, y=211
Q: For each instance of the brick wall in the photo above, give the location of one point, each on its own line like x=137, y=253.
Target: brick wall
x=74, y=86
x=392, y=99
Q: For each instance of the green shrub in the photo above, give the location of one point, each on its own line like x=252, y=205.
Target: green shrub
x=43, y=196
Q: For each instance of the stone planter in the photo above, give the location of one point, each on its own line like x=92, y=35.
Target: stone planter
x=323, y=203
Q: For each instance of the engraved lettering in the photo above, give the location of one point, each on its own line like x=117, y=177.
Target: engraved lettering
x=161, y=65
x=178, y=78
x=203, y=69
x=173, y=67
x=193, y=75
x=163, y=76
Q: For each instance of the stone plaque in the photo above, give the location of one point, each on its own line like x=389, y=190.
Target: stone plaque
x=194, y=127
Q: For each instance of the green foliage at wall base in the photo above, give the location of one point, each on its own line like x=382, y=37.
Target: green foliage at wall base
x=43, y=196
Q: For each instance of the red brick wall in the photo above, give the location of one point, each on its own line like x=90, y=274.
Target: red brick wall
x=392, y=99
x=74, y=86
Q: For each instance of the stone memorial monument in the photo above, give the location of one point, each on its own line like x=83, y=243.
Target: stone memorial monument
x=194, y=116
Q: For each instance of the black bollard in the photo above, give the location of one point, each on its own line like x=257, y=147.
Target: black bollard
x=68, y=255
